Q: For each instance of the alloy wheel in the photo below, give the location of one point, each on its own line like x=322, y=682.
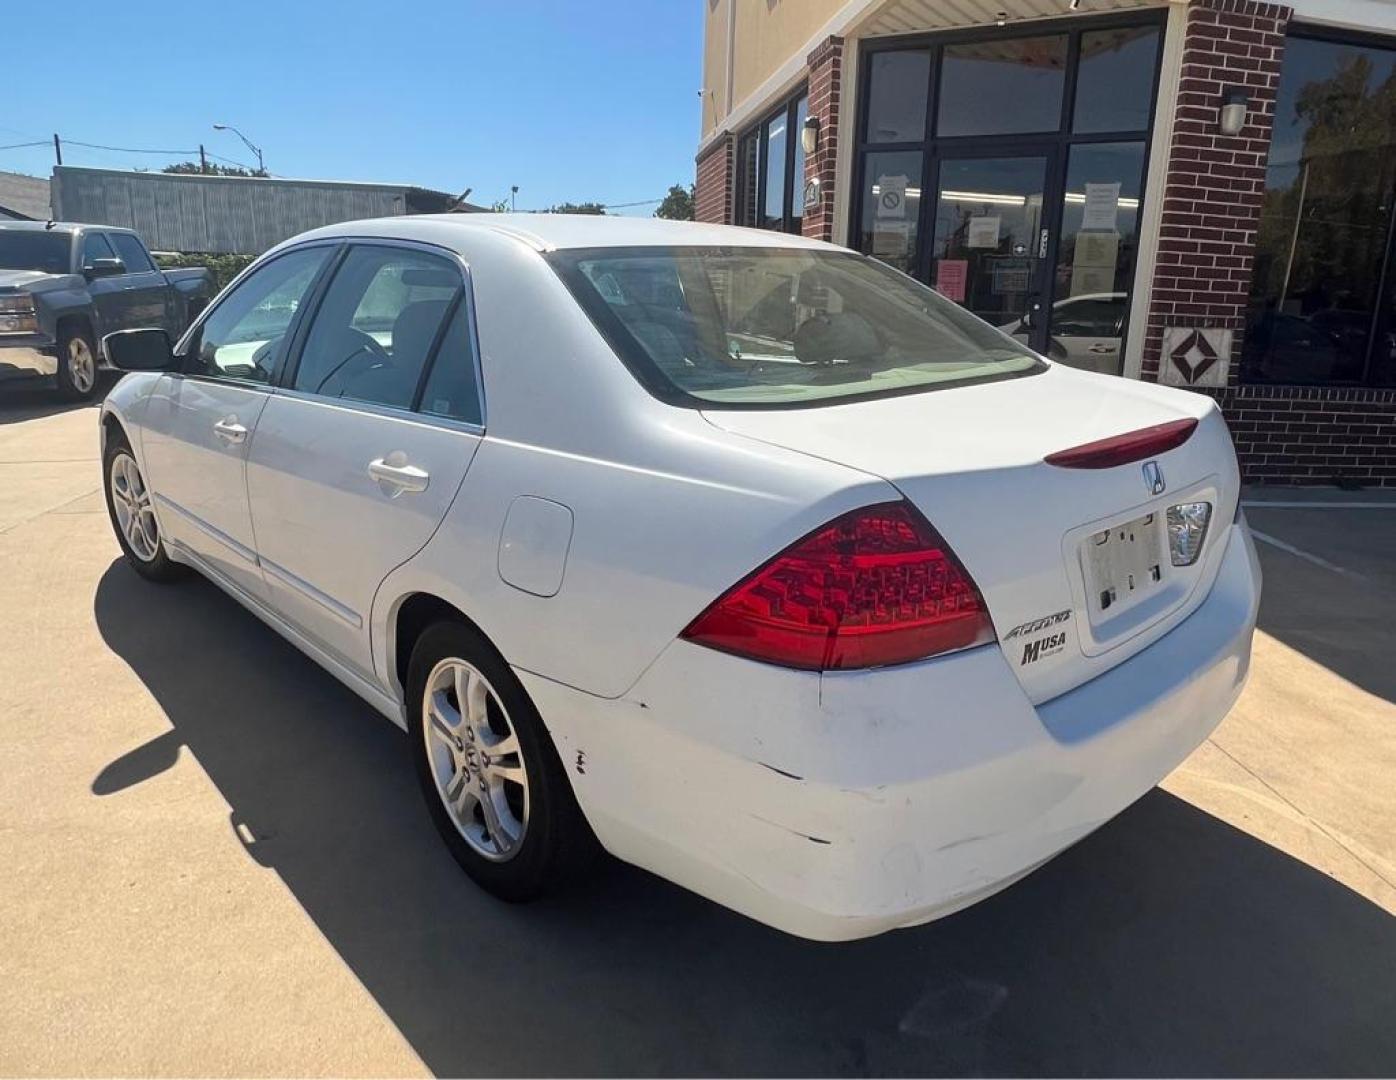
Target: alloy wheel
x=130, y=500
x=82, y=366
x=475, y=759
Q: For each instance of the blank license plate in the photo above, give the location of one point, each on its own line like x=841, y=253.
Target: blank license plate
x=1123, y=565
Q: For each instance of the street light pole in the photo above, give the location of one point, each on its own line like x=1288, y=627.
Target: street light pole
x=261, y=168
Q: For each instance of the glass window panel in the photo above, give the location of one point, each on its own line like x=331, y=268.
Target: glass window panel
x=243, y=336
x=374, y=331
x=779, y=326
x=1096, y=255
x=797, y=177
x=897, y=87
x=891, y=203
x=94, y=247
x=1115, y=79
x=748, y=179
x=1324, y=223
x=773, y=204
x=987, y=228
x=1002, y=87
x=451, y=389
x=132, y=252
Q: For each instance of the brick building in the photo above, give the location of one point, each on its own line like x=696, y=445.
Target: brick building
x=1198, y=192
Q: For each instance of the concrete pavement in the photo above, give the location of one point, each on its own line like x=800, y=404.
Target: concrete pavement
x=215, y=861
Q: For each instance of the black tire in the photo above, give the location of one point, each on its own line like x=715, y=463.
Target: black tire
x=74, y=385
x=158, y=567
x=557, y=842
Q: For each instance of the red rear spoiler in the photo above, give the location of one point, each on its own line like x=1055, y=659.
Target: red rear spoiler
x=1122, y=449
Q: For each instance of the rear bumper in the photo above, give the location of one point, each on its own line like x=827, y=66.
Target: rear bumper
x=840, y=806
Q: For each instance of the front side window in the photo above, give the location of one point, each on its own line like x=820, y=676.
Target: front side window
x=762, y=327
x=132, y=252
x=378, y=327
x=244, y=336
x=94, y=247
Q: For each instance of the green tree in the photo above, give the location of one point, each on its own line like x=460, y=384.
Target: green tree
x=192, y=167
x=576, y=208
x=677, y=205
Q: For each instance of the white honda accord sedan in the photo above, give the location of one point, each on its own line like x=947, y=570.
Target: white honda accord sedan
x=744, y=555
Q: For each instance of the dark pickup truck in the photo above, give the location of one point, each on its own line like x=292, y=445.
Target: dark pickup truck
x=64, y=287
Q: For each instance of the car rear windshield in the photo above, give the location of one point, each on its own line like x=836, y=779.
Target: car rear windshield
x=780, y=327
x=21, y=249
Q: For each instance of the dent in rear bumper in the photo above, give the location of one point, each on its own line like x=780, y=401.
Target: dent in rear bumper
x=842, y=806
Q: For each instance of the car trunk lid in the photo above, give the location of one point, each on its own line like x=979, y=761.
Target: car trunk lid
x=972, y=461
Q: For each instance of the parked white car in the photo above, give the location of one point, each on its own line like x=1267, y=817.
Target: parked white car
x=751, y=558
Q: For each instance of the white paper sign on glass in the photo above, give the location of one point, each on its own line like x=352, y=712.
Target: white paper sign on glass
x=891, y=197
x=983, y=231
x=1102, y=207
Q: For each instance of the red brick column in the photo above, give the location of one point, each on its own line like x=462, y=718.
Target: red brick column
x=1215, y=183
x=712, y=196
x=825, y=75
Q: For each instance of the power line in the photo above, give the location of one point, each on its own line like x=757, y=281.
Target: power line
x=124, y=149
x=623, y=205
x=18, y=145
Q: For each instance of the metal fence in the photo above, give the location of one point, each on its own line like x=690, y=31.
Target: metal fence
x=224, y=214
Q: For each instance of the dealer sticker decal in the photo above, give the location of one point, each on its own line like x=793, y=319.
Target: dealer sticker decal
x=1049, y=644
x=1027, y=629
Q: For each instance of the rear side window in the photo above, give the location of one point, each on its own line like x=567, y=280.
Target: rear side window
x=94, y=247
x=132, y=252
x=384, y=316
x=451, y=389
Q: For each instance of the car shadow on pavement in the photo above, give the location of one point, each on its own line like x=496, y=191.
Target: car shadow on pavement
x=1168, y=943
x=35, y=398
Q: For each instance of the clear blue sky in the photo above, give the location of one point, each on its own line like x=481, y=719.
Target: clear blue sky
x=570, y=100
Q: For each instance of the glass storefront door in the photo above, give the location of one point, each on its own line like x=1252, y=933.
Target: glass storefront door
x=1033, y=144
x=988, y=248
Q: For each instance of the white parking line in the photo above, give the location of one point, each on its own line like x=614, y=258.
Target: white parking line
x=1317, y=560
x=1278, y=504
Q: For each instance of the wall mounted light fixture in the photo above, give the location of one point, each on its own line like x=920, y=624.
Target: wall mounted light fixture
x=809, y=135
x=1231, y=118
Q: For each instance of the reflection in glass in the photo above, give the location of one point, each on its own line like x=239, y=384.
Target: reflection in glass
x=897, y=86
x=774, y=210
x=1115, y=79
x=891, y=203
x=1096, y=255
x=1002, y=86
x=1315, y=312
x=797, y=175
x=987, y=229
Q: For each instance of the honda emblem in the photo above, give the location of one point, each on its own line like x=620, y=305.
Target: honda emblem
x=1153, y=478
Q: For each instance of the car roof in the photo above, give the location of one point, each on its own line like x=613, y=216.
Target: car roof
x=552, y=232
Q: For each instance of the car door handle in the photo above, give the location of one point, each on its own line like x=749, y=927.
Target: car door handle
x=395, y=476
x=229, y=430
x=1101, y=348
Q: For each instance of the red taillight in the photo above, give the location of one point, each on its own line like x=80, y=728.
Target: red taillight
x=875, y=586
x=1122, y=449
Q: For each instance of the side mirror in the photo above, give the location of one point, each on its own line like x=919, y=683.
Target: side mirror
x=99, y=268
x=140, y=350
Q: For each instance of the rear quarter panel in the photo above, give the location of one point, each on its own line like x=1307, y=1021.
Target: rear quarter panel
x=668, y=511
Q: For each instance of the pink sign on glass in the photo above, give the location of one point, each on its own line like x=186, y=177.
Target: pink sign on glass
x=951, y=275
